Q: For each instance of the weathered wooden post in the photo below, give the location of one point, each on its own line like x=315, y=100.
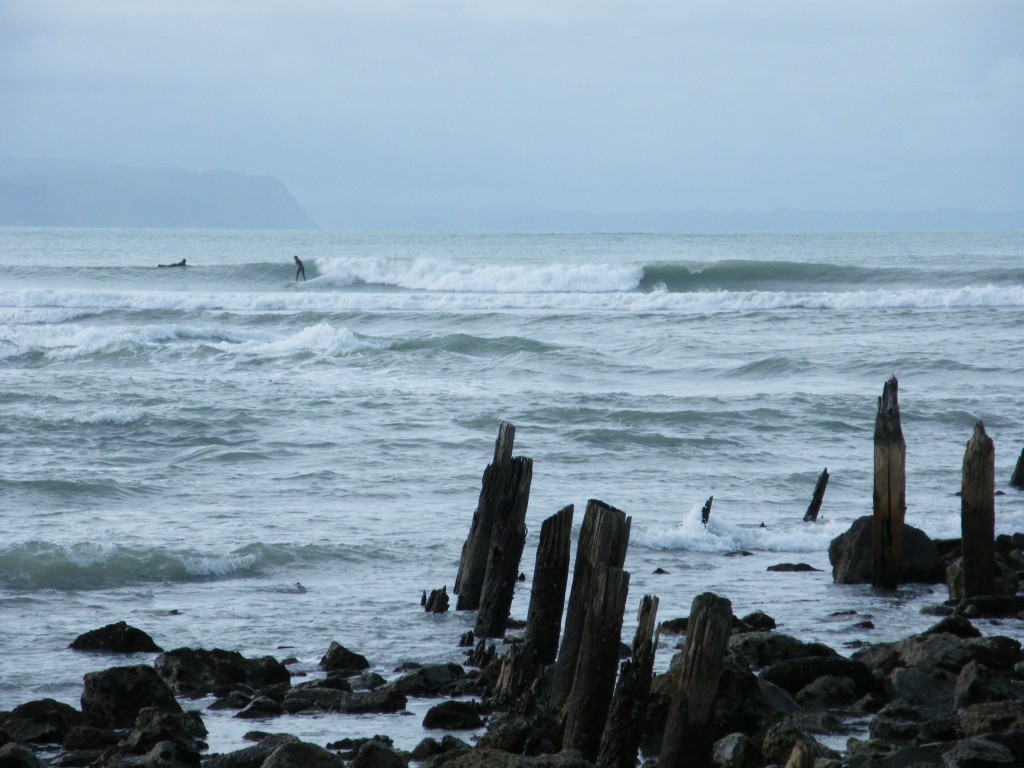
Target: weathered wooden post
x=978, y=514
x=624, y=729
x=819, y=493
x=476, y=550
x=586, y=707
x=1017, y=478
x=890, y=493
x=508, y=537
x=686, y=741
x=604, y=537
x=550, y=578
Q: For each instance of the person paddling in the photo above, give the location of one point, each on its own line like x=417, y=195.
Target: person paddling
x=299, y=269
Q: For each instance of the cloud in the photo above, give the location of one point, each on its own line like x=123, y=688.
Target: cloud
x=604, y=105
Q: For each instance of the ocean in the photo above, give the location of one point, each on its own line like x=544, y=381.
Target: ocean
x=226, y=458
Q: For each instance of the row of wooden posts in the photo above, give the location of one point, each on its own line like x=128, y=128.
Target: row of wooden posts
x=574, y=676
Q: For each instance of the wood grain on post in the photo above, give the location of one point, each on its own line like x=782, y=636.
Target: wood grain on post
x=819, y=494
x=586, y=708
x=686, y=741
x=476, y=550
x=978, y=514
x=550, y=578
x=889, y=501
x=620, y=743
x=604, y=537
x=508, y=537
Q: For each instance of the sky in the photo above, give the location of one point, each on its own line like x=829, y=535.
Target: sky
x=572, y=105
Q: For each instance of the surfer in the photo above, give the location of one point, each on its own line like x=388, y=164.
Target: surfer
x=299, y=269
x=175, y=264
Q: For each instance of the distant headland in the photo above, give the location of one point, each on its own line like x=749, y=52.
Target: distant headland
x=71, y=193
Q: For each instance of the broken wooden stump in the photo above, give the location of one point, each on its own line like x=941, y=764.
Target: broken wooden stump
x=819, y=493
x=705, y=513
x=620, y=742
x=687, y=740
x=473, y=563
x=604, y=537
x=437, y=602
x=550, y=578
x=508, y=537
x=978, y=514
x=586, y=708
x=889, y=500
x=1017, y=478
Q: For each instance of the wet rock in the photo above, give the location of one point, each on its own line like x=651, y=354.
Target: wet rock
x=828, y=692
x=45, y=721
x=301, y=754
x=154, y=726
x=991, y=717
x=737, y=751
x=977, y=684
x=368, y=681
x=851, y=558
x=234, y=700
x=114, y=697
x=761, y=649
x=168, y=754
x=954, y=625
x=793, y=674
x=975, y=753
x=385, y=699
x=17, y=756
x=792, y=568
x=116, y=638
x=758, y=621
x=428, y=681
x=529, y=736
x=1005, y=585
x=492, y=758
x=374, y=754
x=340, y=659
x=453, y=716
x=927, y=687
x=943, y=651
x=261, y=707
x=250, y=757
x=86, y=737
x=195, y=672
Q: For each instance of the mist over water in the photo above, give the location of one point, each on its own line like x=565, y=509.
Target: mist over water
x=226, y=458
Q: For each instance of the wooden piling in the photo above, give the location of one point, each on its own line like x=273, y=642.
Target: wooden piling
x=978, y=514
x=624, y=729
x=586, y=708
x=508, y=537
x=705, y=513
x=604, y=537
x=476, y=550
x=819, y=493
x=1017, y=478
x=550, y=578
x=890, y=495
x=687, y=741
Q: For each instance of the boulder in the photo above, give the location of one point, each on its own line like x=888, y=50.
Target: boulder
x=851, y=558
x=760, y=649
x=116, y=638
x=991, y=717
x=736, y=751
x=453, y=716
x=522, y=735
x=86, y=737
x=300, y=754
x=259, y=708
x=194, y=672
x=944, y=651
x=977, y=684
x=154, y=726
x=168, y=754
x=492, y=758
x=340, y=659
x=428, y=681
x=828, y=692
x=930, y=688
x=17, y=756
x=973, y=753
x=793, y=674
x=374, y=754
x=45, y=721
x=114, y=697
x=250, y=757
x=385, y=699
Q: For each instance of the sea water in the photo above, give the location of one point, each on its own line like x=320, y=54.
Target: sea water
x=227, y=458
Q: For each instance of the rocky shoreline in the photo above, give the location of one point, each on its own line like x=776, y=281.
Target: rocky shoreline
x=948, y=696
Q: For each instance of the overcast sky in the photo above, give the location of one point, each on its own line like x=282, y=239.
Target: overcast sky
x=595, y=105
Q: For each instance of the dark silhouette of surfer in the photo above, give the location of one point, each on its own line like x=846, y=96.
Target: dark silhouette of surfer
x=175, y=264
x=299, y=269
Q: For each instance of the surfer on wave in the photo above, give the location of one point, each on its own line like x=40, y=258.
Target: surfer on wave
x=299, y=269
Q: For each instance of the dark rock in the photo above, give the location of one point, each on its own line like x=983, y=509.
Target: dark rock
x=250, y=757
x=453, y=716
x=113, y=698
x=977, y=684
x=993, y=606
x=234, y=700
x=340, y=658
x=368, y=681
x=991, y=717
x=44, y=721
x=300, y=754
x=261, y=707
x=1005, y=586
x=851, y=558
x=427, y=747
x=976, y=753
x=777, y=699
x=927, y=687
x=673, y=626
x=428, y=681
x=374, y=754
x=660, y=571
x=467, y=640
x=492, y=758
x=86, y=737
x=828, y=692
x=522, y=736
x=779, y=741
x=792, y=568
x=17, y=756
x=737, y=751
x=168, y=754
x=761, y=649
x=793, y=674
x=116, y=638
x=195, y=672
x=154, y=726
x=942, y=650
x=759, y=621
x=385, y=699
